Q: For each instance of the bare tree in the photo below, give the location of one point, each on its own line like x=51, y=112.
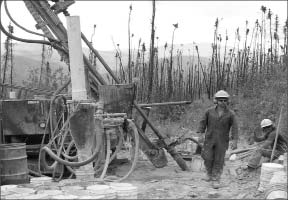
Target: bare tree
x=152, y=53
x=169, y=70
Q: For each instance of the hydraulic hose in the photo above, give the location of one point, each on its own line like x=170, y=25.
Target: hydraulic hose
x=27, y=40
x=32, y=32
x=58, y=154
x=136, y=137
x=133, y=128
x=78, y=164
x=107, y=160
x=42, y=155
x=65, y=155
x=72, y=164
x=118, y=147
x=52, y=101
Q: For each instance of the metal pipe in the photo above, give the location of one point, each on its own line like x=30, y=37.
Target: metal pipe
x=170, y=149
x=165, y=103
x=100, y=58
x=159, y=135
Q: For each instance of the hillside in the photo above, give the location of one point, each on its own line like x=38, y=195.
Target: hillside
x=27, y=56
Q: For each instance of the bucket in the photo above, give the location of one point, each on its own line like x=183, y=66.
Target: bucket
x=285, y=162
x=18, y=193
x=125, y=190
x=267, y=171
x=12, y=95
x=13, y=164
x=101, y=191
x=197, y=164
x=41, y=180
x=276, y=191
x=279, y=178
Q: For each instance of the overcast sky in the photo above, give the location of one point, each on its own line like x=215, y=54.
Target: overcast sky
x=196, y=19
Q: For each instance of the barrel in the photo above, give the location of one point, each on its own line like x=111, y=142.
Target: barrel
x=13, y=164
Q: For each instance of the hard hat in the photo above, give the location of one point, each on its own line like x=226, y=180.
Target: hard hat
x=266, y=122
x=221, y=94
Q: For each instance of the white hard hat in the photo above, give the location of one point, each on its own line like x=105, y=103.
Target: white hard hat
x=221, y=94
x=266, y=122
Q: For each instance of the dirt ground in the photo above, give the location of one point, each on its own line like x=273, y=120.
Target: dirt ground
x=171, y=182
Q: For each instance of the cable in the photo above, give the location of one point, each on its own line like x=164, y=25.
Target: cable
x=54, y=44
x=133, y=128
x=118, y=147
x=32, y=32
x=107, y=160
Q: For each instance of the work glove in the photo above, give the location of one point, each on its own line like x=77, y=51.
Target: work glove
x=233, y=144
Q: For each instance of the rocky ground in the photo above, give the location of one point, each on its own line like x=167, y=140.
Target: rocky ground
x=171, y=182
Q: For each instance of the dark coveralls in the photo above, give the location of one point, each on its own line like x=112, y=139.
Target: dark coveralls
x=266, y=149
x=217, y=139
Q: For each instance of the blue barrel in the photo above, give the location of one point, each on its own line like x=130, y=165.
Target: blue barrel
x=13, y=164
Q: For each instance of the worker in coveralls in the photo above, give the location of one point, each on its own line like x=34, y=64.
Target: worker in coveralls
x=268, y=135
x=216, y=124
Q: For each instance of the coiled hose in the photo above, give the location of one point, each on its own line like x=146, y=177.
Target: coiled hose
x=118, y=147
x=133, y=128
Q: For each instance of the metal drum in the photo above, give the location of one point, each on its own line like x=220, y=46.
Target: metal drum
x=13, y=164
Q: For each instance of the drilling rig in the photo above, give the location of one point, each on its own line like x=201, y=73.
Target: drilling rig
x=80, y=135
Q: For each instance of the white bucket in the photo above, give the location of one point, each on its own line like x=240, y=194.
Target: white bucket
x=61, y=196
x=41, y=180
x=197, y=163
x=125, y=190
x=72, y=188
x=7, y=190
x=36, y=196
x=277, y=195
x=103, y=191
x=276, y=191
x=12, y=95
x=285, y=161
x=267, y=171
x=50, y=193
x=279, y=178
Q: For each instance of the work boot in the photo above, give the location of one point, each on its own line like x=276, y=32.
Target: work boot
x=207, y=178
x=216, y=184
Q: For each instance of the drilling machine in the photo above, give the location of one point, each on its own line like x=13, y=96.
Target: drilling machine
x=75, y=135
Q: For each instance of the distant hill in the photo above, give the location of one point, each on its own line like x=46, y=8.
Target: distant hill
x=28, y=55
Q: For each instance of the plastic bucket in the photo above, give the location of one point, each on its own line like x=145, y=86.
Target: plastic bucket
x=12, y=95
x=125, y=190
x=267, y=171
x=104, y=191
x=13, y=164
x=197, y=163
x=276, y=191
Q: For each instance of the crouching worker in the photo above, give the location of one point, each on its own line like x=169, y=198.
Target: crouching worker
x=216, y=124
x=268, y=136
